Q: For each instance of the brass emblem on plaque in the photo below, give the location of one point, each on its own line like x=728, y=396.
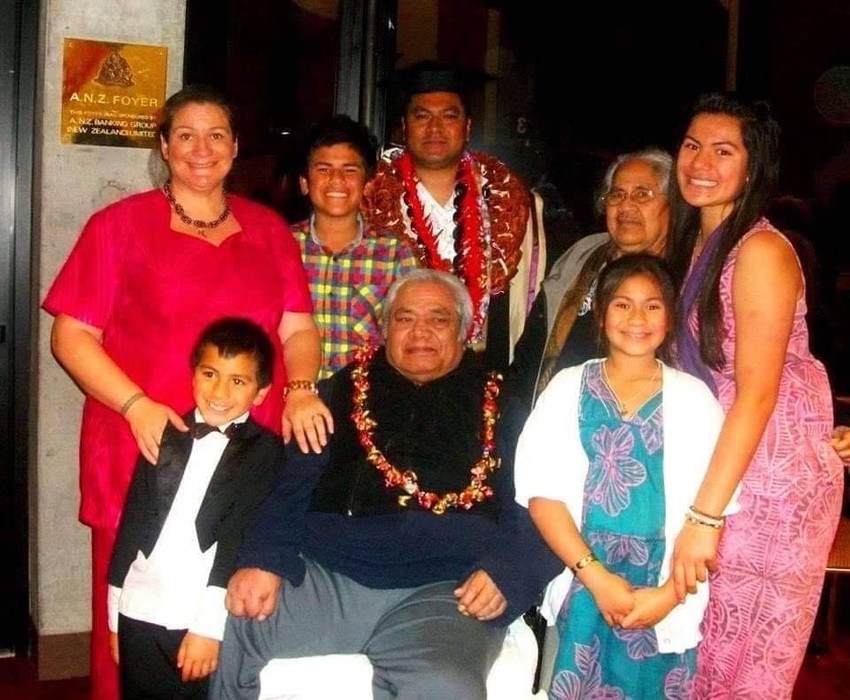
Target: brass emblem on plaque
x=115, y=71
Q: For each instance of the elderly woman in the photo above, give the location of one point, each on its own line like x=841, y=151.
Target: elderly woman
x=146, y=275
x=559, y=331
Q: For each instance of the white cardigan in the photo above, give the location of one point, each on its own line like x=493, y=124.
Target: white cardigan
x=551, y=463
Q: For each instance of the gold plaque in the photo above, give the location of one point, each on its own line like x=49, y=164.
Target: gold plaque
x=112, y=94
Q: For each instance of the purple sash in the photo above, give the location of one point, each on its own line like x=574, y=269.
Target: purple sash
x=687, y=344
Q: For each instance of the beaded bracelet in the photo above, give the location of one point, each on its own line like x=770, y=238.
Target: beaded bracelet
x=694, y=518
x=129, y=402
x=696, y=511
x=297, y=384
x=586, y=560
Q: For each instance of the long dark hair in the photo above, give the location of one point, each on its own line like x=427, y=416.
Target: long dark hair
x=760, y=134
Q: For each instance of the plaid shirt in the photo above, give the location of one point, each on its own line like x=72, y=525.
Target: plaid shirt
x=348, y=288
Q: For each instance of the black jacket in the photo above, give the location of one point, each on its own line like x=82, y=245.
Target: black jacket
x=245, y=475
x=334, y=508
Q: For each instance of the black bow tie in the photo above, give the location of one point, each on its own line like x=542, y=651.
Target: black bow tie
x=200, y=430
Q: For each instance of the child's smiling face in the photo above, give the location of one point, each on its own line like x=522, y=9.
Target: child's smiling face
x=637, y=318
x=225, y=387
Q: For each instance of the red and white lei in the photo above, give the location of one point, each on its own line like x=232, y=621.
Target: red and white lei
x=494, y=209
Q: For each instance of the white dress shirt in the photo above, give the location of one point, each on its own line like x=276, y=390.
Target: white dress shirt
x=169, y=588
x=441, y=217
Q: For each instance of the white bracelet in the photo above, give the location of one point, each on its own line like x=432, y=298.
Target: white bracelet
x=696, y=517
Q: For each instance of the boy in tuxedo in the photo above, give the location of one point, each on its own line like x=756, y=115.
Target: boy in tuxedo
x=184, y=517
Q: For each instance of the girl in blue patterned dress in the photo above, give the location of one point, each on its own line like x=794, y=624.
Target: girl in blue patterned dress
x=607, y=464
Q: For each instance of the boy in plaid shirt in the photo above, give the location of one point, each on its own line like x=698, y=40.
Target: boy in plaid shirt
x=349, y=266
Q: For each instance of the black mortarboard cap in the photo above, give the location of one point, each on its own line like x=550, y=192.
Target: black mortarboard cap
x=433, y=76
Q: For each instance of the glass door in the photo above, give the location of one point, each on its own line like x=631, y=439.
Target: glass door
x=278, y=63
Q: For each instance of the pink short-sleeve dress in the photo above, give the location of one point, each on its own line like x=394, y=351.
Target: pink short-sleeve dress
x=772, y=558
x=151, y=291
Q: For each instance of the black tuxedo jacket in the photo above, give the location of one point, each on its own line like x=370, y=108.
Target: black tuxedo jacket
x=245, y=475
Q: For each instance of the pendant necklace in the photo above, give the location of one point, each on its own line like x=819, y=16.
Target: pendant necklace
x=198, y=224
x=622, y=404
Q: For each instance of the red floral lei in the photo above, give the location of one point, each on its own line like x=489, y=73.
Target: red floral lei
x=503, y=201
x=475, y=234
x=408, y=481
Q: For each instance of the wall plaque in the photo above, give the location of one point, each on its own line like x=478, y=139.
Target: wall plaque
x=112, y=94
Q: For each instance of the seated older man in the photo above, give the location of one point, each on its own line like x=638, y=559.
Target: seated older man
x=402, y=540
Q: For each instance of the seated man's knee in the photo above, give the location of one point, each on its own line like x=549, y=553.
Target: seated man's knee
x=447, y=680
x=458, y=681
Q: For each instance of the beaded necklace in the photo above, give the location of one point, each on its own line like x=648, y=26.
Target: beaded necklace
x=198, y=224
x=407, y=480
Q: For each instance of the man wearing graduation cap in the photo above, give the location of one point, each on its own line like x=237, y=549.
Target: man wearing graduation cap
x=466, y=212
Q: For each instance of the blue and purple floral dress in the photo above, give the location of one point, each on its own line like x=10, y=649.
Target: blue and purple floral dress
x=623, y=522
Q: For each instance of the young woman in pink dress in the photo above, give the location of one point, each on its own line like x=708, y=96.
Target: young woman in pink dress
x=147, y=274
x=743, y=331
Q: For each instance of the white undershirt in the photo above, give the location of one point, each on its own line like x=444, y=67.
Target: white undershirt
x=441, y=217
x=169, y=588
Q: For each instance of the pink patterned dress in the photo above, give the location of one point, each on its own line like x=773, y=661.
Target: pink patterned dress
x=773, y=553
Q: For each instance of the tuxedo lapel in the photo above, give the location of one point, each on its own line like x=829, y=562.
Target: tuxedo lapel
x=220, y=492
x=173, y=456
x=230, y=459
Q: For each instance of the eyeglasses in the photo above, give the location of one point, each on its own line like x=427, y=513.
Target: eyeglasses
x=639, y=195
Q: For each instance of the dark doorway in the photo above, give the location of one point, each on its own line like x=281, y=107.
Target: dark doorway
x=278, y=63
x=18, y=32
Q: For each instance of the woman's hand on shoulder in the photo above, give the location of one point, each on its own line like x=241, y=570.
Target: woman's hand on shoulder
x=308, y=420
x=147, y=420
x=694, y=556
x=305, y=417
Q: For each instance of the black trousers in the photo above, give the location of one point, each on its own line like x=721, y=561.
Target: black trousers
x=148, y=663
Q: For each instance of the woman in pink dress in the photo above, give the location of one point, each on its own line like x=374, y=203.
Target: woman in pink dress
x=147, y=274
x=743, y=331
